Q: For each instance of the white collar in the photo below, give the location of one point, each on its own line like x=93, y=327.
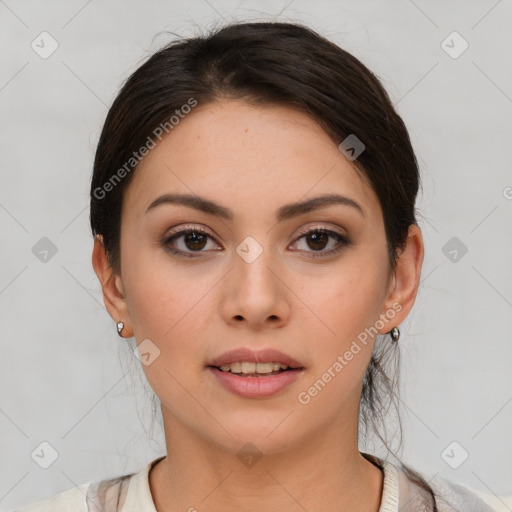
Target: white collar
x=139, y=498
x=391, y=488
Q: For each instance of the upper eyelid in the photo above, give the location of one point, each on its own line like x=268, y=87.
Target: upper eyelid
x=306, y=230
x=302, y=231
x=181, y=231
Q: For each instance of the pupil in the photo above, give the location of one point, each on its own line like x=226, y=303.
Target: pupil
x=316, y=237
x=192, y=238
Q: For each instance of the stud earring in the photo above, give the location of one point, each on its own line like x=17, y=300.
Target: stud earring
x=120, y=327
x=395, y=334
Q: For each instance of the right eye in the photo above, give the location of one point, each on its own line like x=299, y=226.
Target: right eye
x=188, y=241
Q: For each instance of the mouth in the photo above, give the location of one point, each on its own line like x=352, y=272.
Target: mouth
x=255, y=374
x=250, y=369
x=246, y=361
x=251, y=384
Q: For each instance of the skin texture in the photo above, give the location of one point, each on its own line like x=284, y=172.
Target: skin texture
x=253, y=160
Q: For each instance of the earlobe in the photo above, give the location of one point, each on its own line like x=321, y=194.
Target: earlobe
x=404, y=282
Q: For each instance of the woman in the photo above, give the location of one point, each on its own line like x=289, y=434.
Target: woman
x=253, y=208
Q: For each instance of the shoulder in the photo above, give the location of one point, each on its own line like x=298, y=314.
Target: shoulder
x=456, y=497
x=72, y=499
x=102, y=495
x=449, y=495
x=107, y=495
x=403, y=491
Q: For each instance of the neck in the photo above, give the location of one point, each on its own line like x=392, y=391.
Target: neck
x=326, y=472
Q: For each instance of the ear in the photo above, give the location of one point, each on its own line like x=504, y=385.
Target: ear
x=112, y=285
x=404, y=281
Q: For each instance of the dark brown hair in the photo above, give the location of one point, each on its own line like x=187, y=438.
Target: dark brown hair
x=268, y=63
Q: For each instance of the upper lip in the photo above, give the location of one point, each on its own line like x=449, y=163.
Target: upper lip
x=268, y=355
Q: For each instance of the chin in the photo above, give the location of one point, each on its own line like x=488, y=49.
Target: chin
x=252, y=432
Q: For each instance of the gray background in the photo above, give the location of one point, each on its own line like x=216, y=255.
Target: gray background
x=67, y=379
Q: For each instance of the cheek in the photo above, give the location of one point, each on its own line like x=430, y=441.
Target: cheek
x=164, y=308
x=349, y=299
x=160, y=304
x=348, y=306
x=348, y=302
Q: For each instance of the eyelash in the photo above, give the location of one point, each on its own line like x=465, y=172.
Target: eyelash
x=343, y=241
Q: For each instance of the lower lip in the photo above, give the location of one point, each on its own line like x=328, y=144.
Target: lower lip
x=256, y=387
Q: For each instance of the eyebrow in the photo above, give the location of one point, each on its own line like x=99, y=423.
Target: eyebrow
x=284, y=213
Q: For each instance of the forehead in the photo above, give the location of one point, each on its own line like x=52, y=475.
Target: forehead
x=241, y=154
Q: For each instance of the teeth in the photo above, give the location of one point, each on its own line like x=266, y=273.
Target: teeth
x=247, y=367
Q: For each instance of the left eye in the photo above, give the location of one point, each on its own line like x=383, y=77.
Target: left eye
x=318, y=239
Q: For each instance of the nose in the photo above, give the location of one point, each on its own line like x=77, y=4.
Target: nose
x=255, y=295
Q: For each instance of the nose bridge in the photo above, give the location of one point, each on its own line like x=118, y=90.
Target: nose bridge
x=250, y=250
x=252, y=262
x=255, y=294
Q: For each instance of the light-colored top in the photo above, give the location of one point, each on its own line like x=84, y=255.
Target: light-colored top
x=131, y=493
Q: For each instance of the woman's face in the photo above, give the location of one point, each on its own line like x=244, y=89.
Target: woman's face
x=251, y=277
